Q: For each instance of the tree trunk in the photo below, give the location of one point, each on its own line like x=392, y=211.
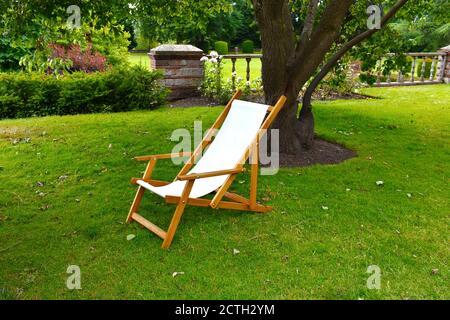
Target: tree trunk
x=306, y=124
x=285, y=69
x=278, y=44
x=295, y=134
x=288, y=127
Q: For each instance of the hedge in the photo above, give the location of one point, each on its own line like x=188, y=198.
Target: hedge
x=32, y=94
x=221, y=47
x=248, y=47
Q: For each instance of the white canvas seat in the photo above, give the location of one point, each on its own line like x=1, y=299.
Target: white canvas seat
x=238, y=137
x=236, y=134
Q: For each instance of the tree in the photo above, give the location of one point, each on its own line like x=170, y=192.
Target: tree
x=428, y=33
x=29, y=28
x=303, y=40
x=193, y=21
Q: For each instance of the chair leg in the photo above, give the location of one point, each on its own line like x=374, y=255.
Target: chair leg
x=177, y=215
x=254, y=161
x=140, y=193
x=136, y=202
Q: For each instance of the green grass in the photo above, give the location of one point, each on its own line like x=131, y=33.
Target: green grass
x=298, y=251
x=241, y=69
x=139, y=59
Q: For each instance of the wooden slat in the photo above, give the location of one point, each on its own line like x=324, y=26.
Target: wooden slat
x=140, y=193
x=177, y=215
x=221, y=191
x=254, y=175
x=236, y=197
x=163, y=156
x=202, y=175
x=150, y=226
x=221, y=205
x=155, y=183
x=276, y=109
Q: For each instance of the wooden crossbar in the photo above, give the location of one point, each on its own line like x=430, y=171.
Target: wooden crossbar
x=220, y=205
x=155, y=183
x=150, y=226
x=236, y=197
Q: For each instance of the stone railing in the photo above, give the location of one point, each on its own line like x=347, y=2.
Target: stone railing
x=234, y=57
x=439, y=70
x=436, y=75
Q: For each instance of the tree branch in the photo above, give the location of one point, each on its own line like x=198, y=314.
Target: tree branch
x=311, y=54
x=345, y=48
x=309, y=22
x=278, y=42
x=306, y=31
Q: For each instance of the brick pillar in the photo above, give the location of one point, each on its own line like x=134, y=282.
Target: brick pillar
x=445, y=62
x=183, y=71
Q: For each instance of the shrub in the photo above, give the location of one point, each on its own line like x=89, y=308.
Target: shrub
x=35, y=94
x=219, y=89
x=221, y=47
x=10, y=53
x=248, y=47
x=87, y=60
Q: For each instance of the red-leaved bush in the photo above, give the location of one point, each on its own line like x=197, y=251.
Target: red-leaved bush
x=87, y=60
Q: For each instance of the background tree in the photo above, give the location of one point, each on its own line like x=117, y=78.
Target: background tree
x=428, y=32
x=198, y=22
x=29, y=27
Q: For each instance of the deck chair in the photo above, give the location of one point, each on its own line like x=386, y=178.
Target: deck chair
x=241, y=124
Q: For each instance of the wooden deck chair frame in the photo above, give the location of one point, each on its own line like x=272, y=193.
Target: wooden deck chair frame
x=237, y=202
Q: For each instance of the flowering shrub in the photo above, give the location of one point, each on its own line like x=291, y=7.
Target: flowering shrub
x=87, y=60
x=212, y=81
x=215, y=87
x=90, y=48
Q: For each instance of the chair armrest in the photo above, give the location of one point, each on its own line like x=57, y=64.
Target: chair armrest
x=202, y=175
x=163, y=156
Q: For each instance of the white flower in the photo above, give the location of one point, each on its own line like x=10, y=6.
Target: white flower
x=233, y=74
x=204, y=58
x=248, y=83
x=213, y=60
x=214, y=54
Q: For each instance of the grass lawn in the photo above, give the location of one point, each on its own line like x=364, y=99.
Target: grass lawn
x=65, y=194
x=241, y=69
x=139, y=59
